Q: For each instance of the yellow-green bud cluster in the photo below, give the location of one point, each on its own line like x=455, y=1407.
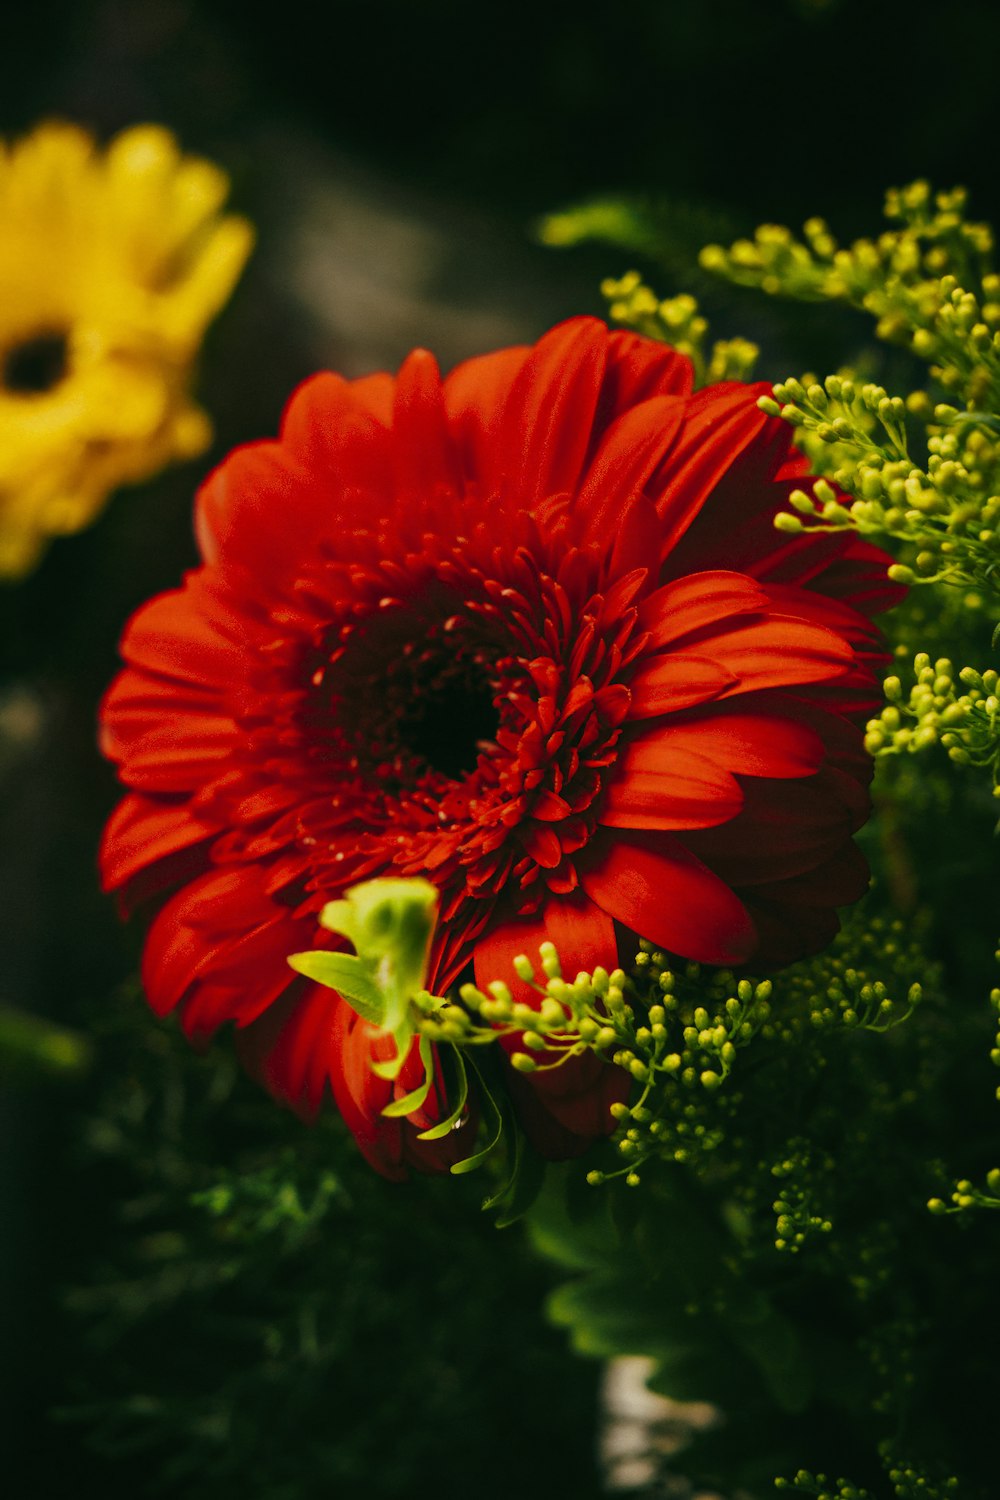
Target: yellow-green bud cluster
x=804, y=1482
x=928, y=283
x=590, y=1013
x=844, y=990
x=679, y=322
x=935, y=712
x=677, y=1030
x=945, y=513
x=682, y=1052
x=924, y=472
x=966, y=1195
x=795, y=1222
x=909, y=1482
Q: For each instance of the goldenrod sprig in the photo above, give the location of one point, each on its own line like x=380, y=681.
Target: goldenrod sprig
x=929, y=284
x=678, y=321
x=909, y=1481
x=945, y=511
x=935, y=712
x=965, y=1195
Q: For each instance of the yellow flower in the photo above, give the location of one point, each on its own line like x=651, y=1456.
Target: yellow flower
x=112, y=264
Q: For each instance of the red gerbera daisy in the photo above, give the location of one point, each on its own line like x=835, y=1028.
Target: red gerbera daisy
x=528, y=632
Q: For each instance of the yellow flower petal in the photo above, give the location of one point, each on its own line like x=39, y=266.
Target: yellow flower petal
x=112, y=265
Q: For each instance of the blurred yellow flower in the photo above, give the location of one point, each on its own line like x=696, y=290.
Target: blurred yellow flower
x=112, y=264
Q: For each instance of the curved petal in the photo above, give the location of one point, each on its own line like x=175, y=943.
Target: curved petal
x=219, y=946
x=675, y=681
x=628, y=454
x=164, y=740
x=775, y=651
x=659, y=889
x=785, y=830
x=748, y=743
x=474, y=396
x=195, y=634
x=701, y=599
x=578, y=1093
x=660, y=785
x=638, y=368
x=544, y=433
x=721, y=423
x=423, y=461
x=145, y=831
x=243, y=509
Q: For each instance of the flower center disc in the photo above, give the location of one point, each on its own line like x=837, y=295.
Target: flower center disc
x=448, y=722
x=35, y=365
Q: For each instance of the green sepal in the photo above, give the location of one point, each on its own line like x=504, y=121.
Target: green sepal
x=346, y=974
x=391, y=1068
x=413, y=1101
x=493, y=1121
x=523, y=1185
x=436, y=1132
x=390, y=922
x=338, y=916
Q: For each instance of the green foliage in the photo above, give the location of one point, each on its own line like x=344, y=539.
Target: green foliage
x=678, y=321
x=779, y=1257
x=667, y=231
x=928, y=283
x=934, y=712
x=816, y=1150
x=390, y=923
x=921, y=470
x=31, y=1047
x=266, y=1319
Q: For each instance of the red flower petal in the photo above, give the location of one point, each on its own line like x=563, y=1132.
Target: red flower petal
x=474, y=395
x=145, y=831
x=721, y=423
x=578, y=1094
x=548, y=415
x=658, y=888
x=661, y=785
x=776, y=651
x=422, y=450
x=637, y=369
x=220, y=946
x=631, y=449
x=668, y=684
x=469, y=630
x=704, y=599
x=752, y=744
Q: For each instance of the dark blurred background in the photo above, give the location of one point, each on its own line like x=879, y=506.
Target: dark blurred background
x=395, y=157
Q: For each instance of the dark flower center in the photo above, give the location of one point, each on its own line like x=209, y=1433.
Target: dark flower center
x=35, y=365
x=447, y=723
x=410, y=693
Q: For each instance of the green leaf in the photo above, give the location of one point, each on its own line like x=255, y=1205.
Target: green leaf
x=524, y=1186
x=402, y=1036
x=390, y=923
x=492, y=1123
x=571, y=1221
x=348, y=975
x=771, y=1342
x=607, y=1315
x=338, y=916
x=413, y=1101
x=436, y=1132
